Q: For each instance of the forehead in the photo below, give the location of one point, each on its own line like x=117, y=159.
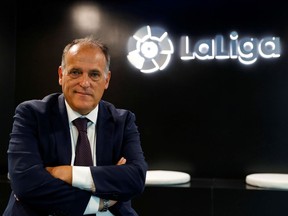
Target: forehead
x=86, y=54
x=85, y=48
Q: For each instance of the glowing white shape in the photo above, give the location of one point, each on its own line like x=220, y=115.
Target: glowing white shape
x=86, y=17
x=150, y=49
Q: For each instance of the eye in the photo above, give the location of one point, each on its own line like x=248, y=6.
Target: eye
x=74, y=73
x=95, y=75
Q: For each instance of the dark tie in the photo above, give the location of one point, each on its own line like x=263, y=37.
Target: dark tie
x=83, y=156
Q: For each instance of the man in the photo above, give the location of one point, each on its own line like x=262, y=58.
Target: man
x=42, y=148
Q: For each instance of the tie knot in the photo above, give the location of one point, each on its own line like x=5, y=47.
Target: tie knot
x=81, y=124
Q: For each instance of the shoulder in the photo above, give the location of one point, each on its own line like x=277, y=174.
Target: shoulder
x=116, y=113
x=40, y=104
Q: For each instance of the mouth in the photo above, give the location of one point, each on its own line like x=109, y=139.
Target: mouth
x=83, y=93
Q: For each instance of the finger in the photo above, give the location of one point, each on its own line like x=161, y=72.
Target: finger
x=121, y=161
x=49, y=169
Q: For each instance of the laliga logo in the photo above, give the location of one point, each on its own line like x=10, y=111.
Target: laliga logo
x=246, y=49
x=150, y=49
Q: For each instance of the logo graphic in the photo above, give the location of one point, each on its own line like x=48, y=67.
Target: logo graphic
x=150, y=49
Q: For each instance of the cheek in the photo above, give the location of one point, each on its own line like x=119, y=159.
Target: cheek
x=63, y=80
x=68, y=83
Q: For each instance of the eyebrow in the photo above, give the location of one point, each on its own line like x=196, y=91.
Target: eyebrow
x=80, y=69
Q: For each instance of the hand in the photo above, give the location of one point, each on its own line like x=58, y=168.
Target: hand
x=62, y=172
x=121, y=161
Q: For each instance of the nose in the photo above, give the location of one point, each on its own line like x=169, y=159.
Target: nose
x=84, y=80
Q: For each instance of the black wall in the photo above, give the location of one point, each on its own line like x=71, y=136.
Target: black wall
x=209, y=118
x=7, y=73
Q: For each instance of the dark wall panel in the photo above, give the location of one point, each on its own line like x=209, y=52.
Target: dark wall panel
x=209, y=118
x=7, y=73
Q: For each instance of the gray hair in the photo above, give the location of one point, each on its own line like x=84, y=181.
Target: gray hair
x=91, y=41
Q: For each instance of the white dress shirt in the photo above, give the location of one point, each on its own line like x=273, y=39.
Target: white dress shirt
x=81, y=176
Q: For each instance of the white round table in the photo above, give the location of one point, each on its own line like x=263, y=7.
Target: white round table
x=166, y=177
x=268, y=180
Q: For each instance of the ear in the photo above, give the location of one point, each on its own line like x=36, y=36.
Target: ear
x=60, y=75
x=107, y=79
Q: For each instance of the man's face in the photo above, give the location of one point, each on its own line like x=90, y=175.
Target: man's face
x=83, y=79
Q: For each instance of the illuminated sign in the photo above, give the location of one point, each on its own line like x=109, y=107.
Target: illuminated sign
x=150, y=49
x=246, y=49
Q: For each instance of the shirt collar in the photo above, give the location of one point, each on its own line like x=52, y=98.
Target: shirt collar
x=72, y=115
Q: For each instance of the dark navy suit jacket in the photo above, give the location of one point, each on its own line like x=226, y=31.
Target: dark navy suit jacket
x=40, y=137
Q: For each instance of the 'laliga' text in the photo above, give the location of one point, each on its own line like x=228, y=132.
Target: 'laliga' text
x=247, y=50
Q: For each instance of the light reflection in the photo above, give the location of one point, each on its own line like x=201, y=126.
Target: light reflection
x=86, y=17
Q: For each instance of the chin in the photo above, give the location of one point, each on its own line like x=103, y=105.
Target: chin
x=82, y=109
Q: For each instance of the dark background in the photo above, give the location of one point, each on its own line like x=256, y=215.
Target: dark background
x=212, y=119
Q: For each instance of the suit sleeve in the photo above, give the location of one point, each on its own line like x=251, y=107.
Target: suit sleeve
x=31, y=183
x=121, y=182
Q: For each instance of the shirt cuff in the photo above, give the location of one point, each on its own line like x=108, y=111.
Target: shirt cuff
x=93, y=205
x=82, y=178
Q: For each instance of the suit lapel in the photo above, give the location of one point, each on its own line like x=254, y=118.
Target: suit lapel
x=105, y=134
x=62, y=137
